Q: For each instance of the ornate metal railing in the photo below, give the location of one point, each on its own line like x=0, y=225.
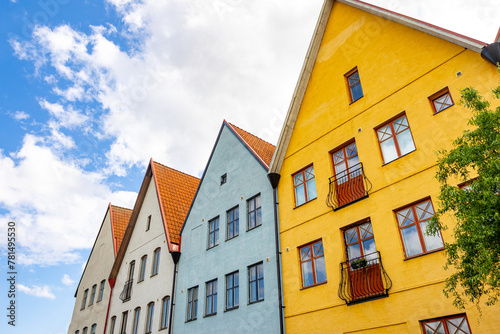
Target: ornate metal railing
x=347, y=187
x=363, y=278
x=127, y=291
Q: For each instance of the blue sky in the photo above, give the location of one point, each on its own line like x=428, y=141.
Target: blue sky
x=91, y=90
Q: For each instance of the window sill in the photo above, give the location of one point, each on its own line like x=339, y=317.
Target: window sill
x=313, y=285
x=209, y=248
x=423, y=254
x=191, y=320
x=162, y=329
x=255, y=302
x=209, y=315
x=232, y=308
x=438, y=112
x=404, y=155
x=232, y=238
x=152, y=276
x=359, y=98
x=253, y=228
x=309, y=201
x=140, y=281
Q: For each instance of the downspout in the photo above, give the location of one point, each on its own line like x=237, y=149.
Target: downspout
x=111, y=284
x=175, y=256
x=274, y=178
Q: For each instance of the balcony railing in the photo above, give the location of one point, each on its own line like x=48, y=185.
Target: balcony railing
x=347, y=187
x=127, y=291
x=363, y=278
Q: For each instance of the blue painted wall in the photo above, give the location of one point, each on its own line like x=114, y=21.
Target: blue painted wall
x=246, y=177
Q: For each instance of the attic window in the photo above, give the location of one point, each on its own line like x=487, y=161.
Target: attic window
x=441, y=100
x=223, y=179
x=148, y=224
x=354, y=85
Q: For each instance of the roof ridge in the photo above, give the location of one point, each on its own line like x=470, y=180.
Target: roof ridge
x=265, y=141
x=431, y=25
x=176, y=170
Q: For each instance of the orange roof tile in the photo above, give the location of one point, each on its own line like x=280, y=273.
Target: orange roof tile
x=119, y=221
x=177, y=191
x=263, y=149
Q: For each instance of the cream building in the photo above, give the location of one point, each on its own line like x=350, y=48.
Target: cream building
x=93, y=291
x=143, y=273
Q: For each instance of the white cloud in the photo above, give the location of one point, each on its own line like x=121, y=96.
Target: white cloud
x=58, y=207
x=20, y=115
x=191, y=65
x=181, y=67
x=65, y=117
x=37, y=291
x=66, y=280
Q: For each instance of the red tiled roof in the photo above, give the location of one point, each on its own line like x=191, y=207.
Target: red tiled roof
x=263, y=149
x=176, y=191
x=119, y=221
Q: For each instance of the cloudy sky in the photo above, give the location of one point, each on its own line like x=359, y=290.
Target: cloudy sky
x=91, y=90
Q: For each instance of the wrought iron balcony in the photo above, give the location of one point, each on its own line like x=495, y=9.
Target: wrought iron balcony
x=127, y=291
x=347, y=187
x=363, y=279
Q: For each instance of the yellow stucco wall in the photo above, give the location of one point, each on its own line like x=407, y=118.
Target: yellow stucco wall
x=399, y=68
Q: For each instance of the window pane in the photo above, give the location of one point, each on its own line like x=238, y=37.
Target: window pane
x=432, y=242
x=411, y=240
x=353, y=251
x=253, y=291
x=356, y=92
x=261, y=289
x=405, y=142
x=389, y=150
x=300, y=197
x=319, y=264
x=307, y=274
x=458, y=326
x=311, y=189
x=369, y=248
x=435, y=327
x=259, y=217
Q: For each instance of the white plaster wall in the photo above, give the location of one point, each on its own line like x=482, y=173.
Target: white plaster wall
x=98, y=268
x=153, y=288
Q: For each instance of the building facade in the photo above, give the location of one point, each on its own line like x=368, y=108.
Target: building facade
x=356, y=164
x=93, y=291
x=227, y=281
x=144, y=269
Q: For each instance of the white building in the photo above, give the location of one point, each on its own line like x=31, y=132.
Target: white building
x=143, y=272
x=93, y=291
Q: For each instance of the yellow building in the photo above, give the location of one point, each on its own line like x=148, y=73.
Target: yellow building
x=356, y=166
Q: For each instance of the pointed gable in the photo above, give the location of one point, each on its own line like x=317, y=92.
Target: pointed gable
x=176, y=191
x=312, y=57
x=119, y=221
x=262, y=149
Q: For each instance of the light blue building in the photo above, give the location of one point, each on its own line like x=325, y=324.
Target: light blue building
x=228, y=274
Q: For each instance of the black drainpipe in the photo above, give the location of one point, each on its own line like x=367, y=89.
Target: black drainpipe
x=274, y=178
x=175, y=256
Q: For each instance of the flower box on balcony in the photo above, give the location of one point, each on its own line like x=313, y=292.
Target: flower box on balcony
x=358, y=263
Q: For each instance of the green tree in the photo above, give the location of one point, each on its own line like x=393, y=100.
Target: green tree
x=475, y=252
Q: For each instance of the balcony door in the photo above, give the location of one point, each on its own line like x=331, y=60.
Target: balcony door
x=348, y=175
x=365, y=277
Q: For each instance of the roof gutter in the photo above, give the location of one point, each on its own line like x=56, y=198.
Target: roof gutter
x=274, y=178
x=491, y=53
